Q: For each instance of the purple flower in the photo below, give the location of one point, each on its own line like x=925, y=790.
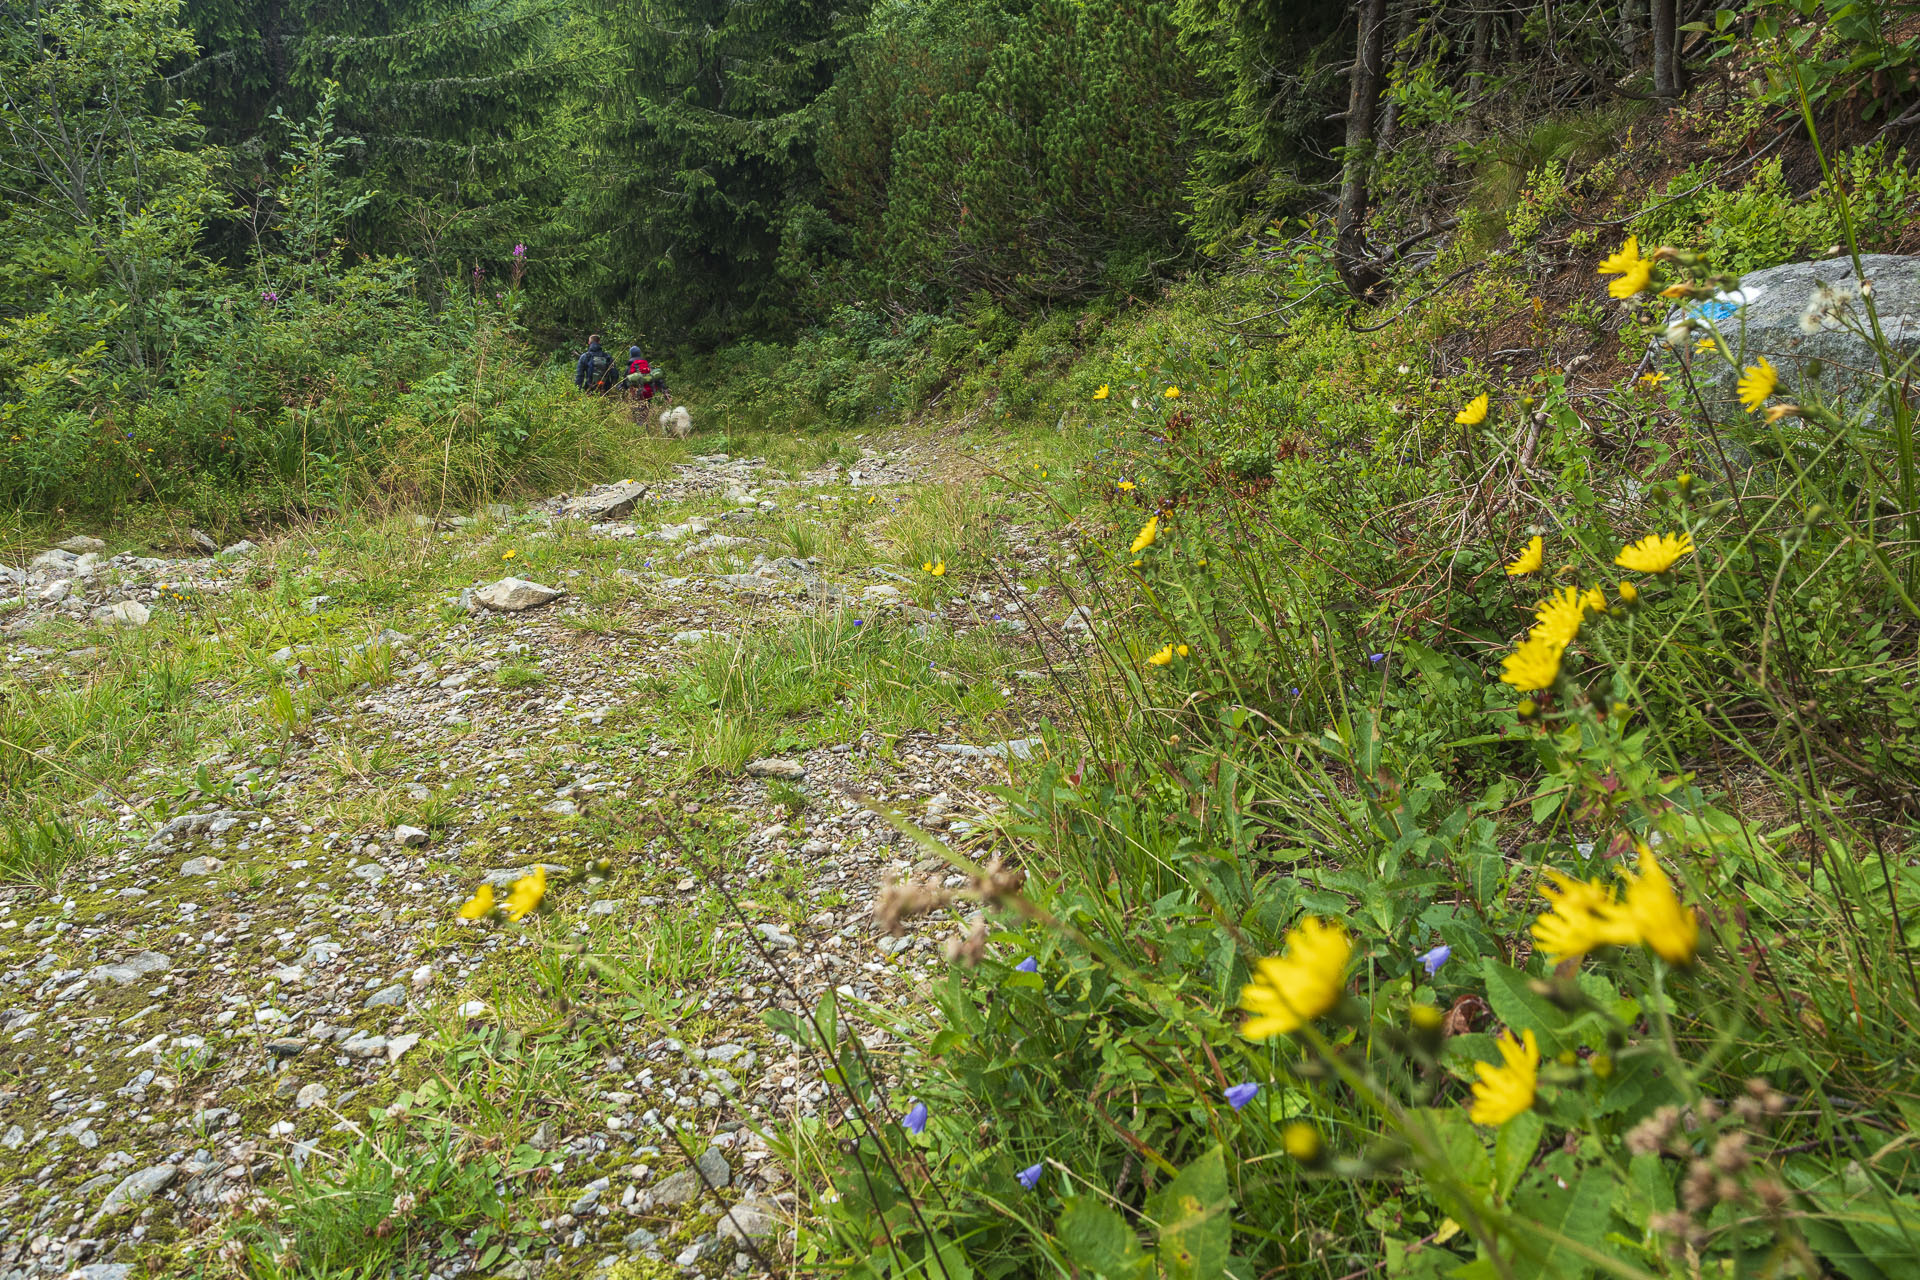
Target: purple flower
x=916, y=1119
x=519, y=251
x=1030, y=1177
x=1376, y=657
x=1435, y=958
x=1241, y=1094
x=1029, y=965
x=269, y=296
x=859, y=622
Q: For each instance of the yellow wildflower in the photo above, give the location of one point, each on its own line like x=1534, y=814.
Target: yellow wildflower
x=1655, y=378
x=1535, y=664
x=1505, y=1091
x=1634, y=271
x=1103, y=392
x=1301, y=1141
x=1474, y=414
x=1584, y=915
x=1561, y=614
x=1530, y=560
x=1148, y=532
x=1705, y=344
x=1162, y=657
x=480, y=904
x=1125, y=486
x=1172, y=393
x=1292, y=989
x=1680, y=290
x=527, y=892
x=1629, y=594
x=1779, y=411
x=1180, y=649
x=1662, y=921
x=508, y=555
x=938, y=568
x=1655, y=553
x=1757, y=382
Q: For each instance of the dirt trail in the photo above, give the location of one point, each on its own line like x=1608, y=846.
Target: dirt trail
x=277, y=981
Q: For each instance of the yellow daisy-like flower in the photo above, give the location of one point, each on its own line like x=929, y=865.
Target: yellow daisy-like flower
x=1655, y=553
x=1629, y=594
x=527, y=892
x=1661, y=920
x=508, y=555
x=1535, y=664
x=1125, y=486
x=1584, y=915
x=1171, y=393
x=1635, y=272
x=938, y=568
x=1103, y=392
x=1757, y=382
x=1180, y=649
x=1561, y=614
x=1654, y=379
x=1505, y=1091
x=1162, y=657
x=1292, y=989
x=1475, y=413
x=1705, y=345
x=1530, y=560
x=1148, y=532
x=480, y=904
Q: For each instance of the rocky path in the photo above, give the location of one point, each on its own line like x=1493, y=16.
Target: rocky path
x=257, y=1038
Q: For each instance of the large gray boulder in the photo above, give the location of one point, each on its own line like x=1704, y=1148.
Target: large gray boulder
x=1771, y=315
x=607, y=502
x=511, y=595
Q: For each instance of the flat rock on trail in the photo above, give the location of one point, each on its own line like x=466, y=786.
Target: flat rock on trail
x=276, y=975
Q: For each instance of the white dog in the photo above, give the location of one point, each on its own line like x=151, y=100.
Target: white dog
x=677, y=422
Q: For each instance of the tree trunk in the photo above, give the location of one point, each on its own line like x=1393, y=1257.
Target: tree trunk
x=1666, y=79
x=1477, y=56
x=1397, y=47
x=1363, y=107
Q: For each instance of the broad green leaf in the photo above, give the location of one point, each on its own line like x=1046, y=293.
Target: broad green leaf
x=1098, y=1240
x=1196, y=1229
x=1510, y=994
x=1555, y=1207
x=1513, y=1146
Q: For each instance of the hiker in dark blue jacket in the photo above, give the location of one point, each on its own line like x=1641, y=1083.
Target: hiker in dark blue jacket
x=589, y=372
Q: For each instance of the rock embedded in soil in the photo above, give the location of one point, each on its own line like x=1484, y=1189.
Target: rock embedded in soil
x=136, y=1188
x=515, y=595
x=776, y=767
x=79, y=544
x=608, y=502
x=677, y=1189
x=1762, y=318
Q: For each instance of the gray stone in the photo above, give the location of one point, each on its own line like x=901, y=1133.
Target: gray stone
x=607, y=502
x=1767, y=321
x=641, y=1240
x=1016, y=748
x=14, y=1138
x=710, y=1169
x=752, y=1220
x=504, y=878
x=202, y=542
x=697, y=637
x=386, y=997
x=80, y=544
x=411, y=837
x=513, y=595
x=136, y=1188
x=133, y=968
x=560, y=808
x=362, y=1045
x=589, y=1197
x=53, y=561
x=286, y=1047
x=310, y=1096
x=204, y=866
x=55, y=592
x=240, y=548
x=775, y=767
x=775, y=937
x=187, y=824
x=102, y=1271
x=398, y=1046
x=371, y=872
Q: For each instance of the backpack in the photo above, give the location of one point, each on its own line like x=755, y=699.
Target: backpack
x=598, y=365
